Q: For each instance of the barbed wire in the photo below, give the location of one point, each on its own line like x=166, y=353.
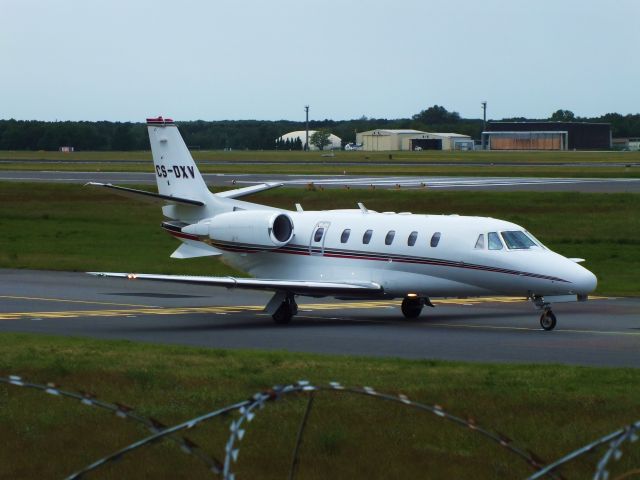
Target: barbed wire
x=121, y=411
x=247, y=410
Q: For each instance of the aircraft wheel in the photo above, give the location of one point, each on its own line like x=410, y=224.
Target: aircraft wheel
x=548, y=320
x=412, y=306
x=283, y=314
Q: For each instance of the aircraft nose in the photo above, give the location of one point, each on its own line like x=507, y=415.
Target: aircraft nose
x=584, y=281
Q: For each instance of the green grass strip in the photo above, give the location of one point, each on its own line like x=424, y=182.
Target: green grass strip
x=550, y=409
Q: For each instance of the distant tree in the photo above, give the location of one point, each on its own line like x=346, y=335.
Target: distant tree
x=320, y=138
x=562, y=116
x=436, y=115
x=123, y=139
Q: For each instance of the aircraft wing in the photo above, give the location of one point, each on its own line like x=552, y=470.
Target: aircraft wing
x=302, y=287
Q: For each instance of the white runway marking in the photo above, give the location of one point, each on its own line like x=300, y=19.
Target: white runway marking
x=443, y=182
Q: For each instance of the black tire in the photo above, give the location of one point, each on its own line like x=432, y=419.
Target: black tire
x=548, y=320
x=283, y=314
x=412, y=307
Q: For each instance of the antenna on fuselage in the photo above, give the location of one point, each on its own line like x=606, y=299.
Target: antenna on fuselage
x=299, y=208
x=362, y=208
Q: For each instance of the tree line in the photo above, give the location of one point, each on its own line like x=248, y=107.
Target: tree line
x=256, y=134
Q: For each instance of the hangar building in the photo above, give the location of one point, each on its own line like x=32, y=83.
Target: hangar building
x=547, y=136
x=336, y=142
x=439, y=141
x=407, y=139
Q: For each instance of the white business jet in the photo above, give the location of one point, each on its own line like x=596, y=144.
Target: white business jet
x=348, y=254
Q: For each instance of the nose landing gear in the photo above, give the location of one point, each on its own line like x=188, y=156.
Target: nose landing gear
x=548, y=319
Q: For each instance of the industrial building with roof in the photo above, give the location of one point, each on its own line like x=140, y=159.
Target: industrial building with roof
x=547, y=136
x=407, y=139
x=336, y=142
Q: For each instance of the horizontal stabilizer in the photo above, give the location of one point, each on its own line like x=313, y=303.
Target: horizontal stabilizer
x=188, y=250
x=301, y=287
x=241, y=192
x=146, y=196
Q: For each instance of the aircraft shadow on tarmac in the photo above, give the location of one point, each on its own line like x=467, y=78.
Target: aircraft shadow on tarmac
x=154, y=295
x=248, y=321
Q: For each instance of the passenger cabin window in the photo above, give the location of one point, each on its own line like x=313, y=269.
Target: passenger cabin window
x=318, y=235
x=366, y=238
x=388, y=240
x=345, y=235
x=494, y=241
x=517, y=240
x=480, y=242
x=435, y=239
x=411, y=241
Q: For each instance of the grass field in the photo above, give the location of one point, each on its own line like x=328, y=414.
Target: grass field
x=346, y=156
x=549, y=409
x=69, y=227
x=609, y=164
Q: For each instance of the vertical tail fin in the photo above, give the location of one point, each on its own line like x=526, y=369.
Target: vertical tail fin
x=176, y=172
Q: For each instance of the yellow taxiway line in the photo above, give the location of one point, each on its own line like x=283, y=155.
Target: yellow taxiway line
x=153, y=310
x=63, y=300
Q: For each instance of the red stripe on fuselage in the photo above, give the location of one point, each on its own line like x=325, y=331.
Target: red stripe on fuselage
x=183, y=235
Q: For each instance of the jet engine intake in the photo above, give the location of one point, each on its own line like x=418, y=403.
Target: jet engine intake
x=247, y=228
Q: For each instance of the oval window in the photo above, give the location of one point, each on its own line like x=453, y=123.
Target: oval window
x=319, y=233
x=366, y=238
x=388, y=240
x=411, y=241
x=435, y=239
x=345, y=235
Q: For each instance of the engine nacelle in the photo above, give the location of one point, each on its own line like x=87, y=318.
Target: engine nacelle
x=252, y=228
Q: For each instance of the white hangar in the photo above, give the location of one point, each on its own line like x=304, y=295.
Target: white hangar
x=407, y=139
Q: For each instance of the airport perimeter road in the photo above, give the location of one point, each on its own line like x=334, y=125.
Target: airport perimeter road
x=595, y=185
x=601, y=332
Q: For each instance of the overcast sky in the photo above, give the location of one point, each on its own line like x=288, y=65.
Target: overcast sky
x=256, y=59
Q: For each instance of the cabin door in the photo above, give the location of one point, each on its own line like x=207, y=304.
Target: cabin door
x=318, y=235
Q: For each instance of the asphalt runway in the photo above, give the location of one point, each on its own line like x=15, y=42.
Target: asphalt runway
x=594, y=185
x=600, y=332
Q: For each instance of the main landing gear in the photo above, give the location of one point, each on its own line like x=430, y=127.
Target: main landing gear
x=412, y=305
x=282, y=307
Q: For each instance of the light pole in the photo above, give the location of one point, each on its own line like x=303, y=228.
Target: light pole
x=484, y=122
x=306, y=143
x=484, y=115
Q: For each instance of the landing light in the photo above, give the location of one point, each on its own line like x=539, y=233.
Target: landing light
x=412, y=295
x=131, y=276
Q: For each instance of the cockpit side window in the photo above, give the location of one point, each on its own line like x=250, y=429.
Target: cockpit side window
x=517, y=240
x=480, y=242
x=494, y=241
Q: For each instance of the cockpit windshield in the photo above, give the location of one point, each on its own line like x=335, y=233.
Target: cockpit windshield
x=517, y=240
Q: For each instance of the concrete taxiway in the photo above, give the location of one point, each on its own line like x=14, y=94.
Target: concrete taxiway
x=600, y=332
x=594, y=185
